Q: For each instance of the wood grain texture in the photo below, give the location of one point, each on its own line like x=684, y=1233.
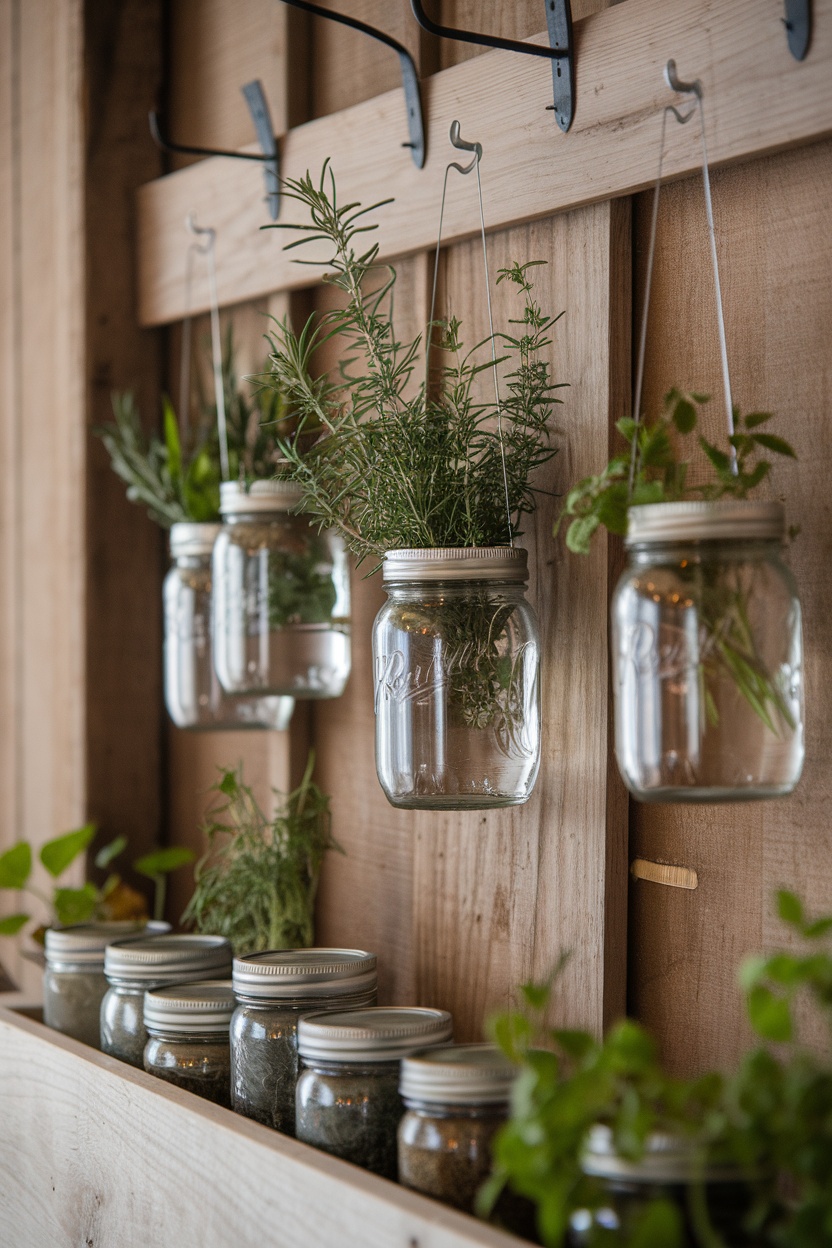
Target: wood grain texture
x=518, y=20
x=123, y=560
x=92, y=1150
x=347, y=66
x=499, y=895
x=773, y=221
x=531, y=169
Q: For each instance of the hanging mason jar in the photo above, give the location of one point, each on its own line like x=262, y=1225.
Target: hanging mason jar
x=457, y=692
x=281, y=597
x=708, y=655
x=668, y=1171
x=193, y=694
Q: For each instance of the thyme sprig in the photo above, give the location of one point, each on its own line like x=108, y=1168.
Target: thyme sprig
x=390, y=468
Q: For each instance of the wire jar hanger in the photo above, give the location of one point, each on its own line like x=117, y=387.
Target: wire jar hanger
x=473, y=166
x=693, y=89
x=207, y=248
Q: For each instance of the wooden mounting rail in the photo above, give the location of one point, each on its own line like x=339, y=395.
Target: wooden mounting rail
x=757, y=99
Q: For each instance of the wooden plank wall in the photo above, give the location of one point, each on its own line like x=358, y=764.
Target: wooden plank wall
x=774, y=223
x=463, y=908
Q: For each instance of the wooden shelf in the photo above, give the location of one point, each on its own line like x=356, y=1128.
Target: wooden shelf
x=98, y=1154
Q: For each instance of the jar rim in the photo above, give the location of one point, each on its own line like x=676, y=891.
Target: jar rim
x=666, y=1158
x=695, y=520
x=192, y=1008
x=456, y=563
x=377, y=1034
x=279, y=974
x=269, y=495
x=462, y=1074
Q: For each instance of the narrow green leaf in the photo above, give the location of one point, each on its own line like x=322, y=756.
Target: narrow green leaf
x=790, y=908
x=57, y=855
x=772, y=443
x=770, y=1016
x=15, y=865
x=12, y=924
x=162, y=861
x=720, y=460
x=753, y=419
x=108, y=853
x=820, y=927
x=172, y=442
x=684, y=415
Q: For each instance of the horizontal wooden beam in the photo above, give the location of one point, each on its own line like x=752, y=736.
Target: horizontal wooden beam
x=757, y=99
x=95, y=1152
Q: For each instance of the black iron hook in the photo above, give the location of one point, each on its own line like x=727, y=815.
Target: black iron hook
x=410, y=78
x=798, y=23
x=258, y=106
x=559, y=24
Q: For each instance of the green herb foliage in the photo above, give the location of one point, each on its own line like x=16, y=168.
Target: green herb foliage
x=771, y=1117
x=392, y=471
x=660, y=476
x=181, y=482
x=113, y=900
x=257, y=882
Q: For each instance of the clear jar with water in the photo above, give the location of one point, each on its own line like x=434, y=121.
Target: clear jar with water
x=274, y=990
x=193, y=694
x=708, y=655
x=457, y=690
x=281, y=610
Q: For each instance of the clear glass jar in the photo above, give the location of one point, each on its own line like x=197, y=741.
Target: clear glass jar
x=134, y=967
x=456, y=656
x=456, y=1100
x=708, y=655
x=193, y=694
x=281, y=597
x=187, y=1028
x=274, y=990
x=348, y=1101
x=73, y=979
x=666, y=1172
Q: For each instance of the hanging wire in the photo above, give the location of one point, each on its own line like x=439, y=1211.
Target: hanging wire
x=207, y=249
x=474, y=164
x=694, y=89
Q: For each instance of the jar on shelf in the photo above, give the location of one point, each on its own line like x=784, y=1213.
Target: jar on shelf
x=708, y=655
x=348, y=1100
x=74, y=983
x=274, y=990
x=132, y=967
x=281, y=596
x=668, y=1170
x=457, y=692
x=457, y=1099
x=187, y=1028
x=193, y=694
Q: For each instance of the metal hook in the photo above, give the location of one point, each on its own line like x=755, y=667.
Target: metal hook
x=559, y=25
x=205, y=230
x=683, y=88
x=410, y=77
x=462, y=146
x=258, y=106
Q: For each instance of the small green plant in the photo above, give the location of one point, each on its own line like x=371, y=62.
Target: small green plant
x=770, y=1119
x=257, y=882
x=389, y=468
x=113, y=900
x=180, y=481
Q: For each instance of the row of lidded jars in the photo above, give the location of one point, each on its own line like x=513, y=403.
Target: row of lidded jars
x=706, y=645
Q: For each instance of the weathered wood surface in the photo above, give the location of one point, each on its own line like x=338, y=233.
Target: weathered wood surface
x=94, y=1152
x=774, y=222
x=530, y=169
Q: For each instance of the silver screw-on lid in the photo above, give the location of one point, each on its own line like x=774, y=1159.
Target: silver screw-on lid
x=724, y=520
x=191, y=540
x=380, y=1034
x=85, y=943
x=173, y=959
x=279, y=974
x=195, y=1009
x=261, y=496
x=460, y=1074
x=666, y=1159
x=457, y=563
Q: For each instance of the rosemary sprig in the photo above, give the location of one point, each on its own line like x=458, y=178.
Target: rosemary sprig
x=388, y=470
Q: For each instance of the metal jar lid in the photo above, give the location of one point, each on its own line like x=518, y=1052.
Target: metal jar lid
x=459, y=1074
x=195, y=1009
x=282, y=974
x=192, y=540
x=172, y=959
x=457, y=563
x=262, y=496
x=724, y=520
x=666, y=1159
x=85, y=943
x=380, y=1034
